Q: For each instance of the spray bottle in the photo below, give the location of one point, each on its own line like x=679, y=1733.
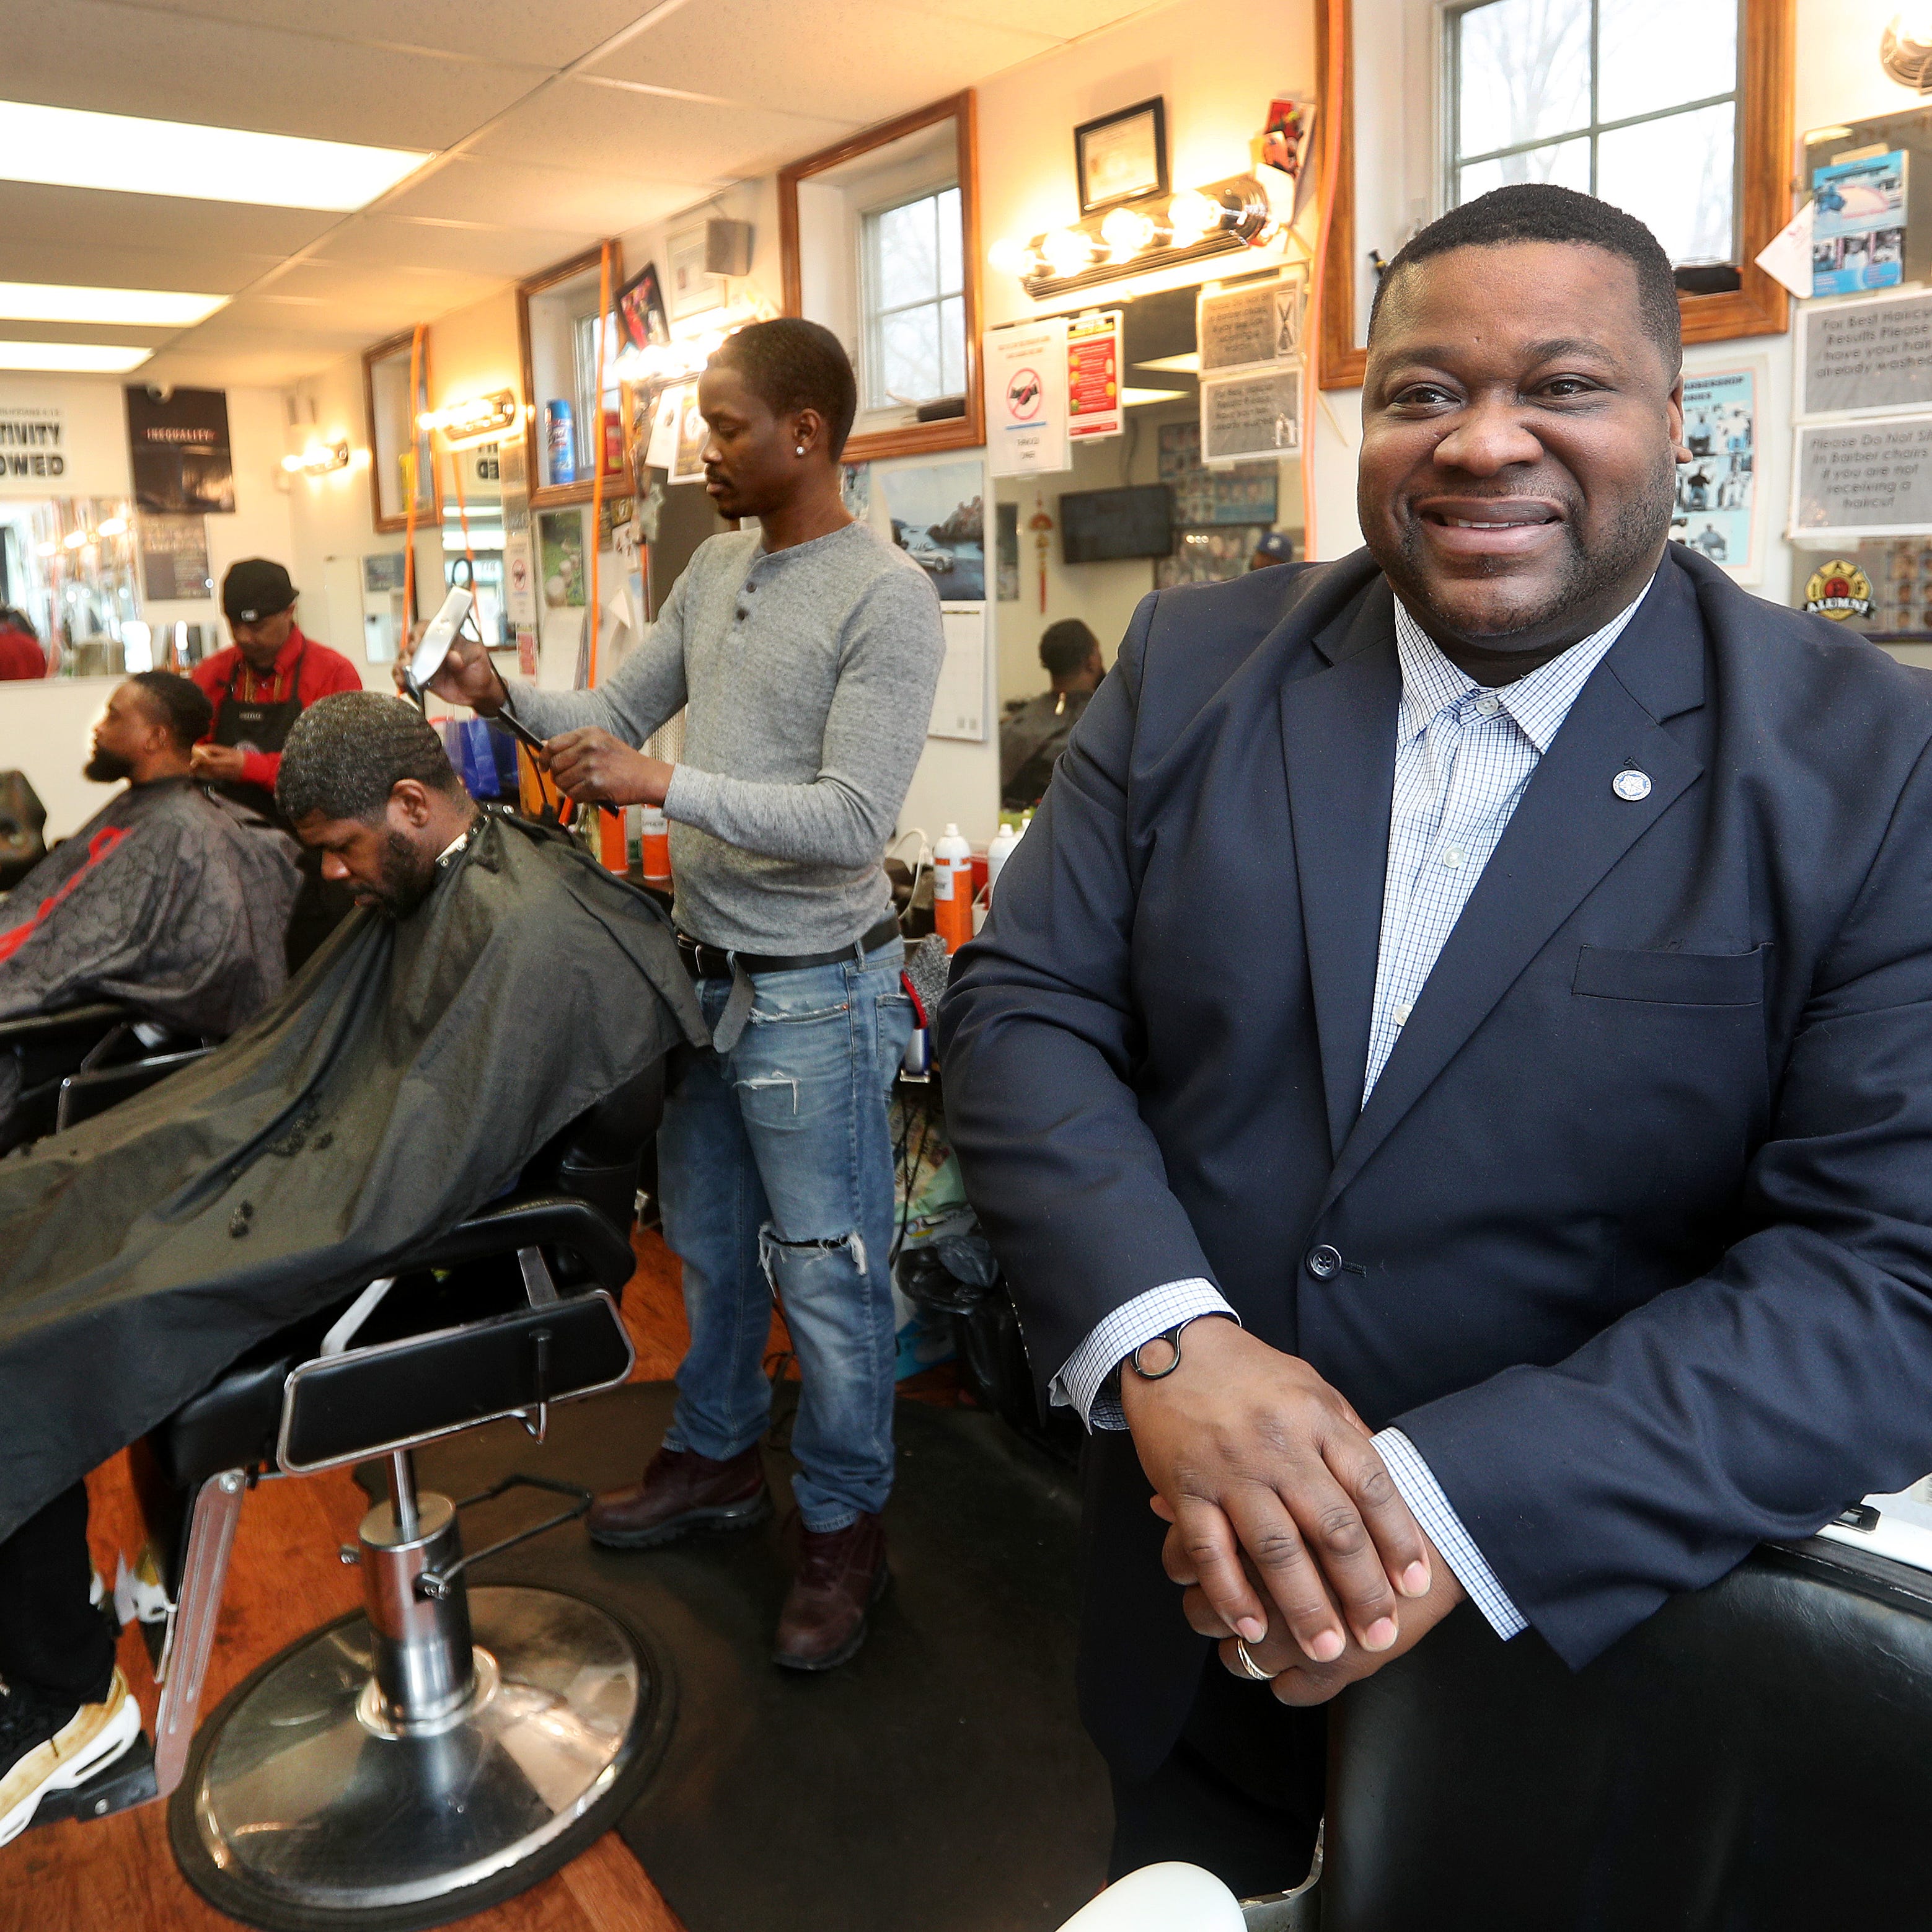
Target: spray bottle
x=998, y=853
x=953, y=890
x=654, y=843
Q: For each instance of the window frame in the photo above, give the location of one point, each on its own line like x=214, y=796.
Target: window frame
x=873, y=312
x=1760, y=304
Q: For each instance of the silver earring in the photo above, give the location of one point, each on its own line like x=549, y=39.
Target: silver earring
x=799, y=451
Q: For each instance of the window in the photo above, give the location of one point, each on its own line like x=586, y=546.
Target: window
x=915, y=301
x=1636, y=100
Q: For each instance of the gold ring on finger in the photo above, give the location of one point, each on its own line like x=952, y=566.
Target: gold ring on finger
x=1253, y=1670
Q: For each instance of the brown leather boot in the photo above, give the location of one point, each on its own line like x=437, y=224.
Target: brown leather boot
x=842, y=1573
x=682, y=1490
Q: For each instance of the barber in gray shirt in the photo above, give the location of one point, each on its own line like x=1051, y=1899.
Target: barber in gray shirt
x=805, y=656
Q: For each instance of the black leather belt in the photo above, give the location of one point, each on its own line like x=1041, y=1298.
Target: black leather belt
x=714, y=962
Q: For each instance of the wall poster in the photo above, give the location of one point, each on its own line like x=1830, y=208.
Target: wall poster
x=1026, y=398
x=174, y=559
x=179, y=449
x=1716, y=509
x=1093, y=406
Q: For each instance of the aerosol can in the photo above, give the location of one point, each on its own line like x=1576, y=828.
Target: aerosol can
x=953, y=890
x=998, y=853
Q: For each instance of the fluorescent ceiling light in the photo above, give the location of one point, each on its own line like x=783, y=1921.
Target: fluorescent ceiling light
x=1132, y=398
x=89, y=358
x=126, y=308
x=64, y=147
x=1188, y=364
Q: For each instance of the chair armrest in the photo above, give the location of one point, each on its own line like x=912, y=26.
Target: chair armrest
x=49, y=1029
x=533, y=1221
x=84, y=1095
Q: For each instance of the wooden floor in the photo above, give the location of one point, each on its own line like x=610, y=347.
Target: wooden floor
x=118, y=1875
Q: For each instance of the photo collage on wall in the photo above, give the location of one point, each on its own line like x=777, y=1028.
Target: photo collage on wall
x=1715, y=510
x=1857, y=224
x=1220, y=515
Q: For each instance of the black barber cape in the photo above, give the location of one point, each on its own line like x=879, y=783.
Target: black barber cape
x=168, y=898
x=404, y=1081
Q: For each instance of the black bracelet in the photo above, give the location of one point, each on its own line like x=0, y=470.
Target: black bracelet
x=1172, y=1337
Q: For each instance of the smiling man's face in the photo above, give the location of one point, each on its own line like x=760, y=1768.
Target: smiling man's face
x=1520, y=432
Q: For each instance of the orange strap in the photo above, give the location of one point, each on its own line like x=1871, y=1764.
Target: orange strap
x=1318, y=275
x=597, y=486
x=409, y=491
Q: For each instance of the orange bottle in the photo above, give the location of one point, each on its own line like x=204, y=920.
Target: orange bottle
x=953, y=890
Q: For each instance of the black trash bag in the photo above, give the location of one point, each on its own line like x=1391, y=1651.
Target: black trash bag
x=23, y=824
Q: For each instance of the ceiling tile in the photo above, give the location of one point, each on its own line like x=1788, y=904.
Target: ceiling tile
x=269, y=365
x=130, y=60
x=102, y=224
x=500, y=254
x=499, y=30
x=11, y=331
x=575, y=124
x=515, y=194
x=856, y=60
x=1062, y=20
x=202, y=271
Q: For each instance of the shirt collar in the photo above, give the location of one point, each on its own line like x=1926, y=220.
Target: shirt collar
x=1538, y=702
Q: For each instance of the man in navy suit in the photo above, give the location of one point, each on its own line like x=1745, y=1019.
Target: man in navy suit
x=1449, y=1074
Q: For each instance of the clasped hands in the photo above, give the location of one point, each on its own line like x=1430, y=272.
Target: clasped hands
x=1286, y=1529
x=588, y=764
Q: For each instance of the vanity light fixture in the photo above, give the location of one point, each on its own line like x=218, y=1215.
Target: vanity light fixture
x=318, y=459
x=475, y=419
x=1905, y=48
x=1154, y=232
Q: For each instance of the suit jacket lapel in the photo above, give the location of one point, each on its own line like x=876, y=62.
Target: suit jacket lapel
x=1569, y=830
x=1338, y=740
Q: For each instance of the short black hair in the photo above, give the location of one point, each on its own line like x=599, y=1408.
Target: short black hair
x=345, y=755
x=179, y=703
x=1542, y=212
x=1065, y=647
x=796, y=365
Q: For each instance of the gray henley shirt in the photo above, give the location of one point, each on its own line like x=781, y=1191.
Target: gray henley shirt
x=808, y=674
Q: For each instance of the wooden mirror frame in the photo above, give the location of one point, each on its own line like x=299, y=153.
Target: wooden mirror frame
x=383, y=352
x=1761, y=306
x=961, y=432
x=550, y=495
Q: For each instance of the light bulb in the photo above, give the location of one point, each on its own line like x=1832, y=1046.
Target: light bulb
x=1067, y=250
x=1913, y=24
x=1126, y=231
x=1010, y=257
x=75, y=539
x=1192, y=215
x=112, y=526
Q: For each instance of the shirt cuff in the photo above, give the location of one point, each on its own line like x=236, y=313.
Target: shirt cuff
x=1077, y=1386
x=261, y=768
x=689, y=796
x=1440, y=1523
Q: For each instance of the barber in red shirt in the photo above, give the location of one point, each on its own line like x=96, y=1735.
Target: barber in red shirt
x=258, y=687
x=20, y=653
x=262, y=683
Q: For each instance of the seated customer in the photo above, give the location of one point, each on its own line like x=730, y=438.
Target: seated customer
x=167, y=898
x=1033, y=737
x=494, y=985
x=21, y=655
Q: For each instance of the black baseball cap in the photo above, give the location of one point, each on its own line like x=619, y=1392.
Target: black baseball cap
x=254, y=588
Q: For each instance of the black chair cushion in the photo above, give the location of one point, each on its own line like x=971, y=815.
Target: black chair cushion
x=1755, y=1756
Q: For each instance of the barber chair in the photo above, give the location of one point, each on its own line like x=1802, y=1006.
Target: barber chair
x=1756, y=1754
x=78, y=1062
x=451, y=1744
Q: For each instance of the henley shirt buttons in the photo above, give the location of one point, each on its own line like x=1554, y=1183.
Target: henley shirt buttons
x=1324, y=1263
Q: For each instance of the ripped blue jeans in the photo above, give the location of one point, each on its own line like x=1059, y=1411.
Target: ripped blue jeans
x=775, y=1164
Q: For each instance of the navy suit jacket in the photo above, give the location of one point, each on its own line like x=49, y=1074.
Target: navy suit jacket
x=1635, y=1223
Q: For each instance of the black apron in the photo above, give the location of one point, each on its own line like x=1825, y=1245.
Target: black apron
x=261, y=725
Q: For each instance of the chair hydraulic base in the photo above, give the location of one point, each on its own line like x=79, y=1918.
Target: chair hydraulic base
x=425, y=1759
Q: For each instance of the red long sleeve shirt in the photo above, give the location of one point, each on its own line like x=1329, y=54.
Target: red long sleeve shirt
x=324, y=672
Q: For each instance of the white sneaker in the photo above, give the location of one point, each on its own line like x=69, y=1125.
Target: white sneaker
x=48, y=1747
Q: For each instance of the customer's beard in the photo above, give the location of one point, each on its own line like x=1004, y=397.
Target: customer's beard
x=1639, y=531
x=107, y=768
x=405, y=882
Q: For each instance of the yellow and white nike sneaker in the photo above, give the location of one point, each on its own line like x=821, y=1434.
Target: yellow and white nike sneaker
x=46, y=1745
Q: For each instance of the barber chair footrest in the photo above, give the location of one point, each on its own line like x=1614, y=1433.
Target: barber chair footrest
x=298, y=1812
x=119, y=1786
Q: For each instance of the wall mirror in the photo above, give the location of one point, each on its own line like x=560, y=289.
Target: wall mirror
x=68, y=565
x=1136, y=512
x=568, y=423
x=880, y=240
x=392, y=413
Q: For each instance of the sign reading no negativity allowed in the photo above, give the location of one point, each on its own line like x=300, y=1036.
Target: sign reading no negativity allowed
x=1026, y=398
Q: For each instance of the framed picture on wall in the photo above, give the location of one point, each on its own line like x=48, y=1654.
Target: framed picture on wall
x=1122, y=156
x=690, y=288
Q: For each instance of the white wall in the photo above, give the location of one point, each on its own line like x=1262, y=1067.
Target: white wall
x=44, y=726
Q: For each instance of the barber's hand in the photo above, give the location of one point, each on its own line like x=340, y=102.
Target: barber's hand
x=218, y=764
x=594, y=768
x=1297, y=1680
x=1250, y=1450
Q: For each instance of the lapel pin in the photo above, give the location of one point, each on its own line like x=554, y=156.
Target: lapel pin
x=1630, y=785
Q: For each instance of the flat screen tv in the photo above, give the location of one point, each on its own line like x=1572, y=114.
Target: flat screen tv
x=1097, y=526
